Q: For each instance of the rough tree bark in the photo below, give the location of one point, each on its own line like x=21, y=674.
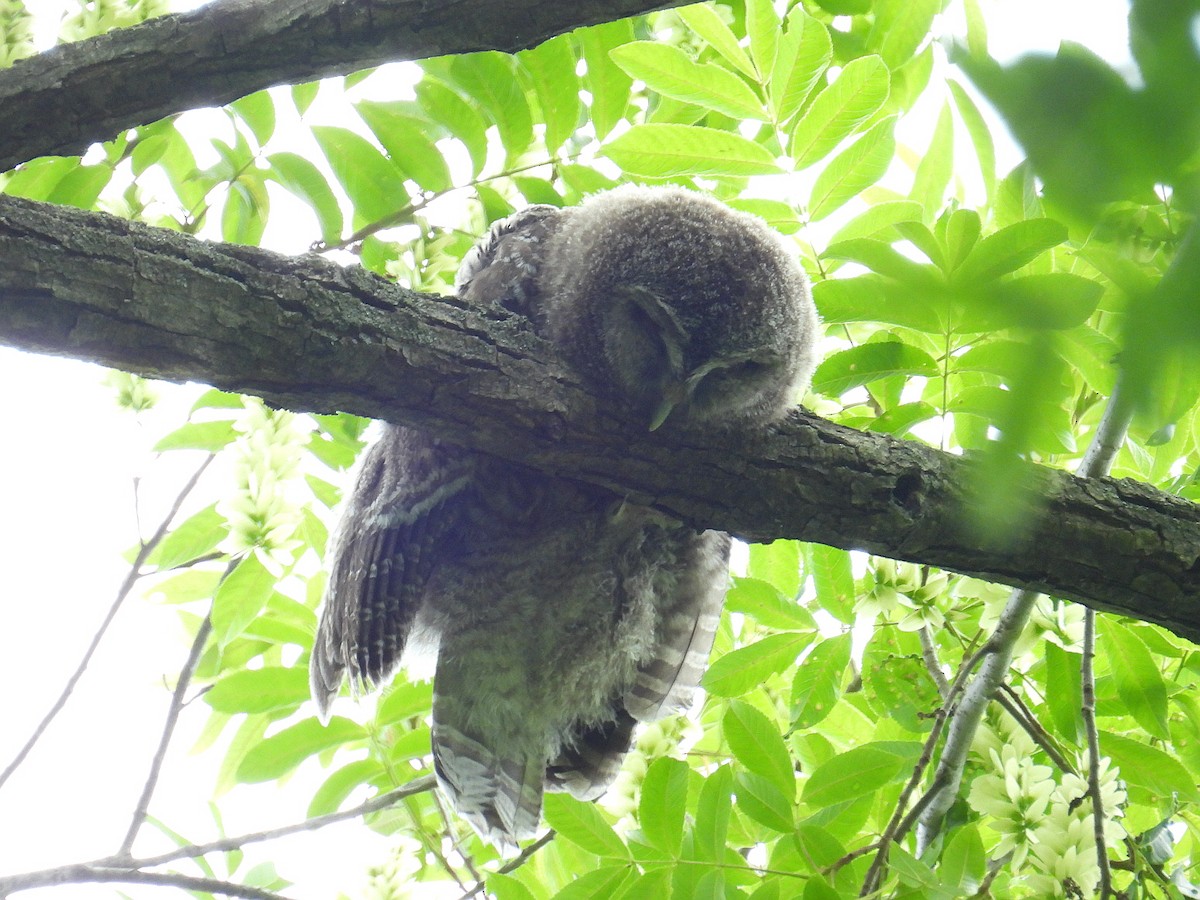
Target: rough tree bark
x=59, y=102
x=308, y=334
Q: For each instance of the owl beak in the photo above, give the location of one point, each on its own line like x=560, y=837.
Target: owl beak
x=673, y=396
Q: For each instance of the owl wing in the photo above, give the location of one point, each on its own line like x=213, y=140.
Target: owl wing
x=690, y=616
x=690, y=613
x=401, y=508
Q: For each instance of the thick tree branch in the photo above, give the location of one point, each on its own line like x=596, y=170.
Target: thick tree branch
x=59, y=102
x=308, y=334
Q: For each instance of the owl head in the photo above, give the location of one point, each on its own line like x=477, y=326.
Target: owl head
x=680, y=307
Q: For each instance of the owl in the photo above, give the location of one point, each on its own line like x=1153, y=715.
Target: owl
x=562, y=615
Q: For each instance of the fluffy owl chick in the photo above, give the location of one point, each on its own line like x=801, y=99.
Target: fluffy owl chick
x=562, y=615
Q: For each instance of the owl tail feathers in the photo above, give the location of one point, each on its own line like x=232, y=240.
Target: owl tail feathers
x=589, y=764
x=500, y=798
x=325, y=674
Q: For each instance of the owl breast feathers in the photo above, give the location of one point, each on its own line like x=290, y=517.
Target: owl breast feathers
x=562, y=615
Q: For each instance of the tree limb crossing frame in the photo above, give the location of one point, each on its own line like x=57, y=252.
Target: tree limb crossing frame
x=305, y=333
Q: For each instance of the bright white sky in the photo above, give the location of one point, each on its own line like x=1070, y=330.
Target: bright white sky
x=67, y=462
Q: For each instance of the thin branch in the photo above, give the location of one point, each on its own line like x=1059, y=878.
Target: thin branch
x=176, y=707
x=122, y=593
x=515, y=863
x=304, y=333
x=131, y=870
x=1012, y=705
x=1088, y=677
x=932, y=664
x=84, y=873
x=899, y=823
x=1110, y=433
x=383, y=801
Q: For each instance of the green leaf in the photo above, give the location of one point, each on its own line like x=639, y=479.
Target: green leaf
x=81, y=186
x=259, y=690
x=884, y=259
x=1139, y=680
x=859, y=91
x=980, y=133
x=900, y=27
x=1054, y=301
x=491, y=78
x=277, y=755
x=803, y=56
x=303, y=179
x=833, y=580
x=872, y=298
x=704, y=21
x=712, y=815
x=854, y=773
x=924, y=240
x=1009, y=249
x=653, y=885
x=404, y=138
x=663, y=803
x=961, y=236
x=1150, y=770
x=760, y=799
x=757, y=744
x=582, y=825
x=244, y=216
x=606, y=81
x=257, y=110
x=304, y=94
x=404, y=700
x=240, y=598
x=818, y=682
x=916, y=874
x=551, y=65
x=505, y=887
x=600, y=884
x=660, y=151
x=964, y=863
x=936, y=166
x=671, y=72
x=900, y=419
x=865, y=363
x=767, y=605
x=740, y=670
x=854, y=169
x=186, y=586
x=762, y=27
x=461, y=117
x=374, y=185
x=211, y=436
x=196, y=536
x=777, y=563
x=1064, y=693
x=878, y=218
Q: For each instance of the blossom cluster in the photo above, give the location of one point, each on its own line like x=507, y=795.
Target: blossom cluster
x=1046, y=824
x=263, y=513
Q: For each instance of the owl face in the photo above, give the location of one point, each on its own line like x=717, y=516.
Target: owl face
x=684, y=310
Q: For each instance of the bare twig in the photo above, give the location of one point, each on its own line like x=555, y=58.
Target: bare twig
x=85, y=873
x=1011, y=703
x=416, y=786
x=515, y=863
x=122, y=593
x=160, y=755
x=1088, y=677
x=1105, y=443
x=133, y=870
x=899, y=823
